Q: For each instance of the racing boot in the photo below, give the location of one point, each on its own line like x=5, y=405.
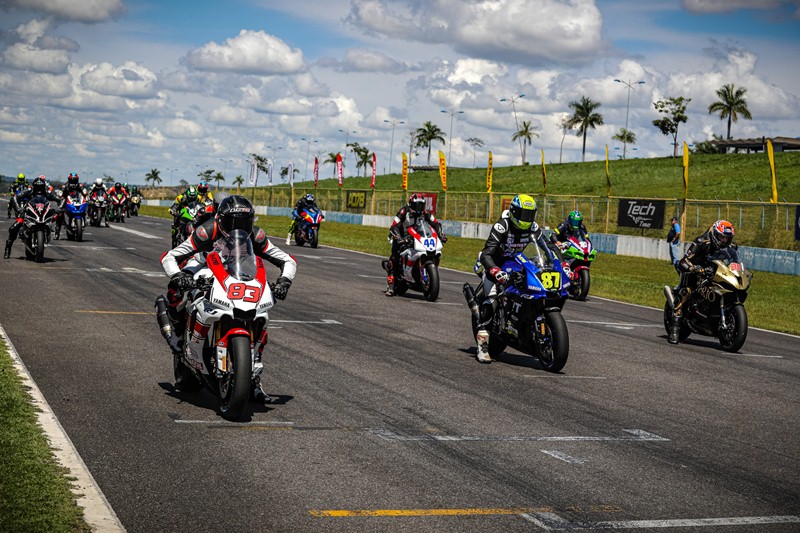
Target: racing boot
x=389, y=285
x=674, y=330
x=482, y=338
x=7, y=253
x=258, y=395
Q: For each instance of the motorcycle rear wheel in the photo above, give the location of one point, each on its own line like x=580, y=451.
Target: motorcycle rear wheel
x=234, y=389
x=732, y=339
x=554, y=356
x=185, y=380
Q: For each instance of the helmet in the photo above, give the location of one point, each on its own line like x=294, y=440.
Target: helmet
x=722, y=233
x=72, y=179
x=39, y=186
x=575, y=219
x=117, y=186
x=98, y=182
x=125, y=186
x=522, y=211
x=202, y=188
x=191, y=194
x=20, y=177
x=235, y=212
x=309, y=198
x=416, y=203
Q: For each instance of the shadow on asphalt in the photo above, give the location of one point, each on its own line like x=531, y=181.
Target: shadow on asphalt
x=701, y=342
x=527, y=361
x=45, y=260
x=206, y=400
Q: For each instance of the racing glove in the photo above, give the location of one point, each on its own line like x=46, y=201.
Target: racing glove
x=500, y=276
x=181, y=281
x=281, y=288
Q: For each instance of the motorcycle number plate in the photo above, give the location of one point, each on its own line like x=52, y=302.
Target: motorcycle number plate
x=430, y=244
x=551, y=280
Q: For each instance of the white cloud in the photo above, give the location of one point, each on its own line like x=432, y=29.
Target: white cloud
x=13, y=137
x=72, y=10
x=363, y=60
x=307, y=85
x=34, y=84
x=475, y=71
x=26, y=57
x=251, y=52
x=130, y=80
x=183, y=129
x=10, y=115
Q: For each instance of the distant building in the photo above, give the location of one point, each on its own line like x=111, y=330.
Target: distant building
x=779, y=144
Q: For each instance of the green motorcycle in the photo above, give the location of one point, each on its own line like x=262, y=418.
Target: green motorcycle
x=579, y=253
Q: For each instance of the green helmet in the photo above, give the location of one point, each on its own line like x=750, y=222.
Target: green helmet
x=522, y=211
x=575, y=219
x=191, y=194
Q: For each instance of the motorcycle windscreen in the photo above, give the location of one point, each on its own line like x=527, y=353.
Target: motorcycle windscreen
x=727, y=255
x=236, y=252
x=543, y=257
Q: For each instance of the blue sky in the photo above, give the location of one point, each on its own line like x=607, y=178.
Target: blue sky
x=120, y=87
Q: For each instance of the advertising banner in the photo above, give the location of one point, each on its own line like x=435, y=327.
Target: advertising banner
x=253, y=178
x=443, y=170
x=316, y=171
x=269, y=171
x=356, y=199
x=405, y=171
x=290, y=173
x=544, y=175
x=339, y=171
x=647, y=214
x=374, y=170
x=489, y=174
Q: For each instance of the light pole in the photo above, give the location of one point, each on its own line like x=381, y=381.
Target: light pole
x=346, y=140
x=629, y=85
x=308, y=147
x=452, y=113
x=513, y=100
x=391, y=146
x=171, y=170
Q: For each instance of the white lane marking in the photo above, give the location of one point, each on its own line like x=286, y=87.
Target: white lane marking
x=564, y=457
x=129, y=270
x=97, y=512
x=616, y=324
x=307, y=256
x=553, y=522
x=323, y=321
x=384, y=277
x=134, y=232
x=434, y=303
x=89, y=247
x=757, y=355
x=234, y=424
x=554, y=376
x=636, y=435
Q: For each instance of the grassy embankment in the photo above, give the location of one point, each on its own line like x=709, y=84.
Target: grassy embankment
x=628, y=279
x=34, y=491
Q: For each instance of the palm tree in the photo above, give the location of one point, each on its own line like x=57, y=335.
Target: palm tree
x=526, y=135
x=238, y=181
x=218, y=177
x=475, y=142
x=332, y=160
x=427, y=134
x=730, y=105
x=584, y=118
x=564, y=125
x=625, y=136
x=153, y=175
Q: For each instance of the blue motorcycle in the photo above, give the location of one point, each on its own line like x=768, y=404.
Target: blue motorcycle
x=527, y=315
x=75, y=216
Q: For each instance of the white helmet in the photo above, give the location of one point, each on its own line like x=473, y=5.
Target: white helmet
x=98, y=182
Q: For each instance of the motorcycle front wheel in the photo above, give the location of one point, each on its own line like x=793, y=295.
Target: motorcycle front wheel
x=234, y=387
x=431, y=288
x=314, y=238
x=39, y=240
x=583, y=284
x=732, y=338
x=554, y=353
x=78, y=230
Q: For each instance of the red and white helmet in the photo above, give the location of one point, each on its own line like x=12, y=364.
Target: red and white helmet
x=722, y=233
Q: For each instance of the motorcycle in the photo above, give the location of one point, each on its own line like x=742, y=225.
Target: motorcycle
x=528, y=312
x=307, y=228
x=135, y=203
x=715, y=307
x=35, y=231
x=226, y=328
x=419, y=262
x=191, y=216
x=98, y=204
x=75, y=216
x=118, y=208
x=578, y=252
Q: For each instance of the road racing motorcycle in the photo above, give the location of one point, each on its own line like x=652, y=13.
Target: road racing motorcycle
x=191, y=216
x=38, y=218
x=226, y=326
x=579, y=253
x=528, y=312
x=307, y=228
x=98, y=204
x=74, y=214
x=419, y=261
x=135, y=203
x=715, y=307
x=118, y=207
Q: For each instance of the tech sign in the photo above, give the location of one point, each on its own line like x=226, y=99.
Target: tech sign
x=647, y=214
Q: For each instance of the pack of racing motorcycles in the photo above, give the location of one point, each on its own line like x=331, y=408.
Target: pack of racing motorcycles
x=215, y=313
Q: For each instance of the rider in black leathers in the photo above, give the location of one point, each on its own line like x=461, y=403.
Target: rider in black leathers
x=71, y=188
x=38, y=188
x=304, y=203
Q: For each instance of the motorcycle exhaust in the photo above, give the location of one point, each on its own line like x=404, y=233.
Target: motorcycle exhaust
x=161, y=315
x=469, y=294
x=670, y=297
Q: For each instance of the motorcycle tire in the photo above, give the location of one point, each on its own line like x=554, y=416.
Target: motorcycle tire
x=185, y=380
x=314, y=242
x=234, y=392
x=583, y=283
x=733, y=338
x=39, y=246
x=555, y=356
x=298, y=240
x=431, y=289
x=685, y=330
x=79, y=231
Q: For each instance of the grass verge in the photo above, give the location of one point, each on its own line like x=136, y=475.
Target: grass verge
x=627, y=279
x=34, y=490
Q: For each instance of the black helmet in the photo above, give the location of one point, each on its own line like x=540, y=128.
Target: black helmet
x=39, y=186
x=117, y=186
x=235, y=212
x=417, y=203
x=202, y=188
x=72, y=179
x=309, y=198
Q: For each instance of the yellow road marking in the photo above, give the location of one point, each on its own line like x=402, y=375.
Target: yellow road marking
x=114, y=312
x=428, y=512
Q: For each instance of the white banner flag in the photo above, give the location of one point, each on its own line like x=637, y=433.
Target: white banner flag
x=269, y=171
x=290, y=171
x=253, y=172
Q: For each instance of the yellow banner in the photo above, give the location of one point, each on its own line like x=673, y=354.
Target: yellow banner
x=608, y=176
x=544, y=174
x=405, y=171
x=489, y=174
x=685, y=170
x=443, y=170
x=771, y=154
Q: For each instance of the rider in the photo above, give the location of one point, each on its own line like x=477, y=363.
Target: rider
x=19, y=185
x=694, y=263
x=97, y=187
x=187, y=197
x=71, y=188
x=203, y=194
x=234, y=213
x=406, y=217
x=38, y=188
x=304, y=203
x=571, y=227
x=509, y=235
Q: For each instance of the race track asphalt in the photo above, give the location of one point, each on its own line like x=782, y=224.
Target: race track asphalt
x=385, y=420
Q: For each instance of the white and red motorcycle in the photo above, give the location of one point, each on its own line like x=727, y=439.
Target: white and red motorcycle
x=226, y=326
x=419, y=262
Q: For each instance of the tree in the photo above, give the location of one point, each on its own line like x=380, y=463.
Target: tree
x=183, y=183
x=363, y=157
x=412, y=142
x=584, y=118
x=285, y=172
x=153, y=175
x=427, y=135
x=218, y=177
x=730, y=105
x=625, y=136
x=238, y=181
x=706, y=147
x=475, y=142
x=332, y=156
x=526, y=134
x=564, y=125
x=674, y=109
x=206, y=175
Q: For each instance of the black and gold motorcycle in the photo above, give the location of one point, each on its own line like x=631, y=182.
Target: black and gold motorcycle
x=715, y=307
